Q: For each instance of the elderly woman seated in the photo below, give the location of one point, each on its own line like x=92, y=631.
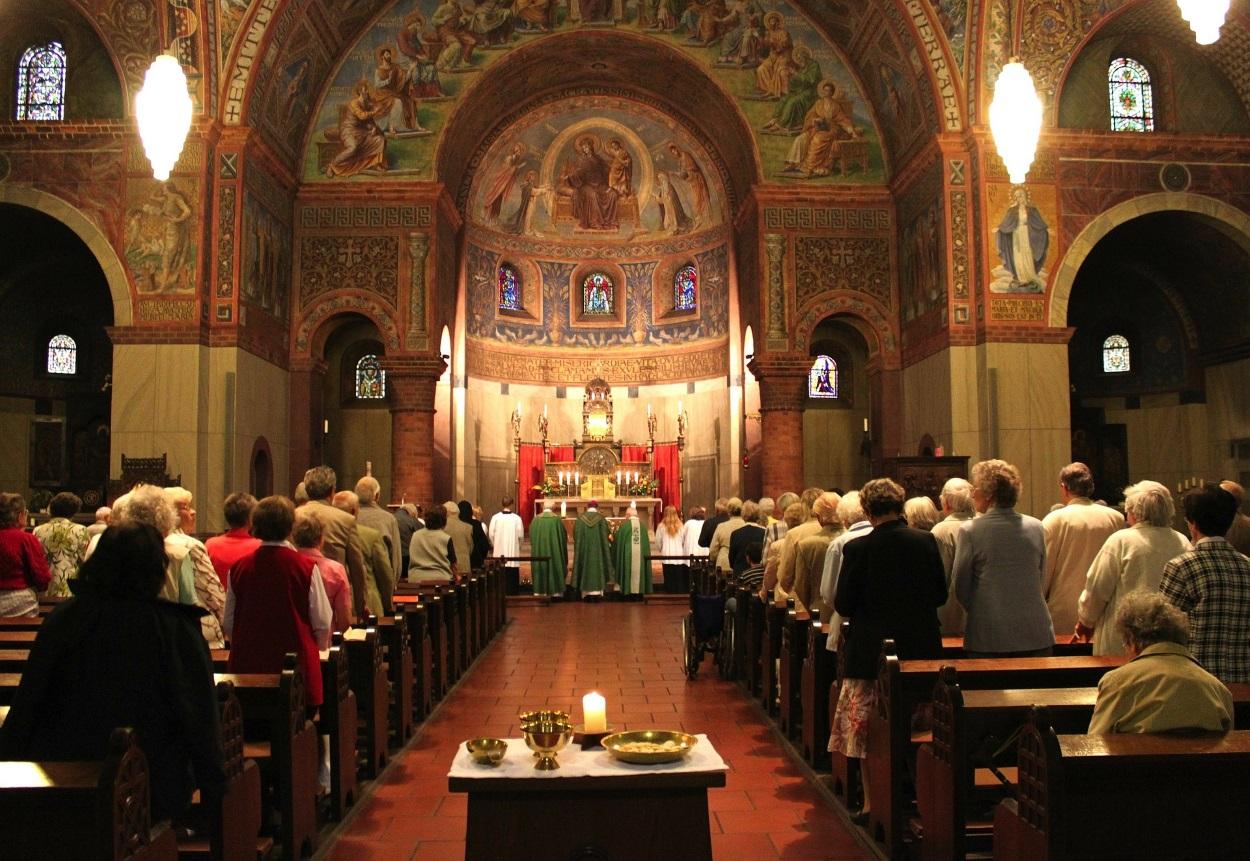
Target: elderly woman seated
x=1162, y=688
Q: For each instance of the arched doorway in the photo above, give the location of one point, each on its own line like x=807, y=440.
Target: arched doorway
x=260, y=470
x=58, y=359
x=835, y=453
x=1157, y=362
x=356, y=399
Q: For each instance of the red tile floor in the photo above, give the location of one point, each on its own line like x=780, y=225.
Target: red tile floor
x=631, y=653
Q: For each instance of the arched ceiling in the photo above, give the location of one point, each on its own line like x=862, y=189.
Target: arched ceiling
x=278, y=57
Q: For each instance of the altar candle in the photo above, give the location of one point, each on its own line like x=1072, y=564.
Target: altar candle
x=518, y=407
x=594, y=712
x=648, y=409
x=618, y=476
x=865, y=425
x=563, y=508
x=577, y=479
x=679, y=408
x=544, y=410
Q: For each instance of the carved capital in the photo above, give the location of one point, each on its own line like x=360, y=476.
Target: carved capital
x=782, y=379
x=412, y=381
x=418, y=250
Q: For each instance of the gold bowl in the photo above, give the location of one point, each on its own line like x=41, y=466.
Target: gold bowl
x=543, y=716
x=487, y=751
x=546, y=740
x=650, y=746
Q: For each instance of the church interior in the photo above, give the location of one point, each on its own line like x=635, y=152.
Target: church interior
x=735, y=247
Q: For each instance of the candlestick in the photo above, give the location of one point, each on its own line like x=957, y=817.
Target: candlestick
x=564, y=508
x=594, y=712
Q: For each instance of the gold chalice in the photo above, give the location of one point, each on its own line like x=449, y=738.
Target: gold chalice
x=543, y=716
x=546, y=739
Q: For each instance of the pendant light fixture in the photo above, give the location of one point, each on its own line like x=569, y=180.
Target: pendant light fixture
x=163, y=110
x=1205, y=18
x=1016, y=119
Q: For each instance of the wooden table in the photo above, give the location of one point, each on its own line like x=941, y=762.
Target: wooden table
x=660, y=816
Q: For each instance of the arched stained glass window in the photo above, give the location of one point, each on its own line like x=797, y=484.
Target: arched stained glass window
x=597, y=294
x=1115, y=355
x=62, y=355
x=509, y=287
x=822, y=379
x=41, y=83
x=1132, y=103
x=685, y=288
x=370, y=378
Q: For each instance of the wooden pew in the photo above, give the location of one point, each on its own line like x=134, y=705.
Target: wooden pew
x=75, y=811
x=337, y=719
x=367, y=673
x=20, y=623
x=817, y=674
x=794, y=631
x=770, y=649
x=737, y=622
x=846, y=784
x=393, y=631
x=280, y=736
x=753, y=670
x=419, y=642
x=903, y=685
x=463, y=623
x=954, y=777
x=1126, y=796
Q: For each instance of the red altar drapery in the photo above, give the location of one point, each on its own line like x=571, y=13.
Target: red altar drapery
x=529, y=468
x=560, y=454
x=666, y=464
x=634, y=453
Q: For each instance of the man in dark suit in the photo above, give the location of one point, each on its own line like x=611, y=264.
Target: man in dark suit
x=709, y=525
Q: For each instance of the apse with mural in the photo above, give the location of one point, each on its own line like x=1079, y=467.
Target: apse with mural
x=398, y=85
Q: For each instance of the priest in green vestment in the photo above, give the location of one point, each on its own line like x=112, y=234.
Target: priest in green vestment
x=549, y=538
x=631, y=551
x=592, y=560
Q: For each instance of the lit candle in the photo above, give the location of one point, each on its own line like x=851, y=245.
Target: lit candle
x=518, y=407
x=648, y=409
x=679, y=408
x=594, y=712
x=865, y=425
x=544, y=410
x=618, y=476
x=325, y=426
x=577, y=479
x=564, y=508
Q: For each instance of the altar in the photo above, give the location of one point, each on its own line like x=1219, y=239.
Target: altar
x=649, y=507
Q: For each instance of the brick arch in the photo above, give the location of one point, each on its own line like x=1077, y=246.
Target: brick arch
x=1082, y=245
x=315, y=326
x=870, y=317
x=91, y=235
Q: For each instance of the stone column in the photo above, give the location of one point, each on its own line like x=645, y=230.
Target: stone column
x=783, y=397
x=412, y=381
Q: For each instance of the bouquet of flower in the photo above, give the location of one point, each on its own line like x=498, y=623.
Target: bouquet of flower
x=644, y=487
x=549, y=486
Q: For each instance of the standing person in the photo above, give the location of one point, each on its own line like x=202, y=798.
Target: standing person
x=103, y=515
x=1238, y=534
x=549, y=538
x=23, y=565
x=432, y=552
x=921, y=513
x=632, y=555
x=94, y=668
x=694, y=527
x=855, y=525
x=461, y=533
x=957, y=508
x=809, y=555
x=790, y=519
x=1000, y=558
x=306, y=535
x=209, y=593
x=890, y=588
x=718, y=549
x=1074, y=535
x=373, y=515
x=406, y=518
x=238, y=541
x=481, y=543
x=592, y=557
x=1131, y=559
x=277, y=602
x=670, y=540
x=64, y=543
x=810, y=525
x=719, y=516
x=379, y=578
x=506, y=532
x=751, y=531
x=1211, y=583
x=342, y=540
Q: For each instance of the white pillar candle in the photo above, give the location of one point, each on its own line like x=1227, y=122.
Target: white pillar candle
x=563, y=508
x=648, y=409
x=865, y=425
x=577, y=479
x=594, y=712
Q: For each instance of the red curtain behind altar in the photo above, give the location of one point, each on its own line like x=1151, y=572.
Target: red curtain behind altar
x=529, y=468
x=560, y=454
x=666, y=463
x=634, y=453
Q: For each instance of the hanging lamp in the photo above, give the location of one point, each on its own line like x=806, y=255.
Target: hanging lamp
x=163, y=110
x=1016, y=119
x=1205, y=18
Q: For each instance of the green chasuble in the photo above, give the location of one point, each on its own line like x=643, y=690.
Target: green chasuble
x=548, y=538
x=630, y=548
x=592, y=562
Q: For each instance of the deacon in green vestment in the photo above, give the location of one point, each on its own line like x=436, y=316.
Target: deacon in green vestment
x=549, y=538
x=631, y=549
x=592, y=560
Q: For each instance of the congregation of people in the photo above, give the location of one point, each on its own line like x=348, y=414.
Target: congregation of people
x=150, y=599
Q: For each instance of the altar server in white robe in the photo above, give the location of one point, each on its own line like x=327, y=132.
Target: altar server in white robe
x=506, y=531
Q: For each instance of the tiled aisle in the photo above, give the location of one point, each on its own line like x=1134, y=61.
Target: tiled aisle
x=631, y=653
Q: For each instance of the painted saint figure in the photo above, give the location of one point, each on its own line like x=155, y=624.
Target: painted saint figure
x=688, y=170
x=585, y=179
x=800, y=94
x=396, y=106
x=772, y=76
x=621, y=172
x=1023, y=239
x=503, y=180
x=172, y=208
x=414, y=43
x=364, y=146
x=673, y=217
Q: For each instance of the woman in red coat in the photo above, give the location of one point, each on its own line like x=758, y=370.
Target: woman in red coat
x=23, y=565
x=276, y=602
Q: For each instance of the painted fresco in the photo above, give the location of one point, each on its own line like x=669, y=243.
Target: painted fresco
x=953, y=16
x=266, y=258
x=596, y=168
x=922, y=270
x=1021, y=237
x=159, y=240
x=397, y=86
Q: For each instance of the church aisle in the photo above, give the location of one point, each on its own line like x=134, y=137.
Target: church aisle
x=631, y=653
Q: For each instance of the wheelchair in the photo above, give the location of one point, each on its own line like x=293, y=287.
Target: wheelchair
x=703, y=627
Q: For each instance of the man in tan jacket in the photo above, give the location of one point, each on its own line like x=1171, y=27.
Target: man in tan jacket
x=338, y=530
x=379, y=576
x=719, y=548
x=809, y=555
x=790, y=544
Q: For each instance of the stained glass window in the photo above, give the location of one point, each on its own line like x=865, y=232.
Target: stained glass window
x=1132, y=104
x=822, y=379
x=62, y=355
x=1115, y=358
x=685, y=288
x=41, y=83
x=509, y=287
x=597, y=294
x=370, y=378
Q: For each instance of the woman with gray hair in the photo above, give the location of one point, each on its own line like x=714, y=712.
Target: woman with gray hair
x=1130, y=559
x=147, y=503
x=1170, y=692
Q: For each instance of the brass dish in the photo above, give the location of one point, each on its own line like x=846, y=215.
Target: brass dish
x=487, y=751
x=680, y=744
